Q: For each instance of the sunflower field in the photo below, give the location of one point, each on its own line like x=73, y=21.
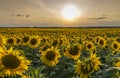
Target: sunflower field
x=59, y=52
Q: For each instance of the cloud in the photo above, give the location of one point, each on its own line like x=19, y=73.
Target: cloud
x=98, y=18
x=27, y=15
x=20, y=15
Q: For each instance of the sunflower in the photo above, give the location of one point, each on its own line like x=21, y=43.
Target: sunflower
x=12, y=63
x=88, y=66
x=55, y=42
x=63, y=41
x=81, y=70
x=10, y=41
x=102, y=42
x=50, y=56
x=97, y=39
x=80, y=40
x=45, y=39
x=34, y=41
x=18, y=41
x=73, y=51
x=25, y=40
x=95, y=62
x=115, y=46
x=89, y=46
x=71, y=40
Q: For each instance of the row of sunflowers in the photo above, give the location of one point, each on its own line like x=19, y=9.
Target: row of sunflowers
x=59, y=53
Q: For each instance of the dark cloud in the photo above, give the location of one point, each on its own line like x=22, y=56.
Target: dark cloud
x=20, y=15
x=98, y=18
x=27, y=15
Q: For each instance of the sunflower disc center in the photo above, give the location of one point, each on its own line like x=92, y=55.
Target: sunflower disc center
x=55, y=42
x=10, y=41
x=33, y=41
x=74, y=50
x=101, y=42
x=50, y=55
x=10, y=62
x=115, y=46
x=18, y=40
x=97, y=39
x=89, y=46
x=25, y=39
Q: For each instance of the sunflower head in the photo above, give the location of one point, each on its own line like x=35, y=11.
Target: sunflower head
x=10, y=41
x=88, y=66
x=25, y=39
x=73, y=51
x=18, y=40
x=81, y=69
x=89, y=46
x=95, y=62
x=102, y=42
x=97, y=39
x=115, y=46
x=12, y=63
x=45, y=39
x=55, y=42
x=50, y=56
x=34, y=42
x=80, y=40
x=61, y=41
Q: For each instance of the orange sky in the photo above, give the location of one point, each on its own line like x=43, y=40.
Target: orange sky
x=48, y=13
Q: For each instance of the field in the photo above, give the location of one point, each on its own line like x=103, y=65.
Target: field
x=59, y=52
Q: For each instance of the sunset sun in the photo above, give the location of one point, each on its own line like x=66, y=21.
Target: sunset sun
x=70, y=12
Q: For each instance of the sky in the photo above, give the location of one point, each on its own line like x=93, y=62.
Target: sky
x=42, y=13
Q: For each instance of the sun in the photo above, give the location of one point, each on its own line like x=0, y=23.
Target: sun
x=70, y=12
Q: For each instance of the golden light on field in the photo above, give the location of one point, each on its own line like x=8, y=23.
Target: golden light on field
x=70, y=12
